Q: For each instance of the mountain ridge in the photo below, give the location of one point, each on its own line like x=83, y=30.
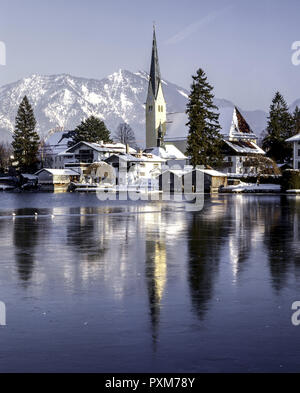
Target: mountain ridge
x=63, y=100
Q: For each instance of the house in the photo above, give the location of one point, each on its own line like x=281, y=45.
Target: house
x=239, y=143
x=56, y=179
x=100, y=173
x=296, y=150
x=170, y=153
x=139, y=165
x=83, y=154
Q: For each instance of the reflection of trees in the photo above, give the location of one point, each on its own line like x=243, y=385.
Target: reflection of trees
x=282, y=239
x=26, y=234
x=85, y=233
x=244, y=216
x=205, y=238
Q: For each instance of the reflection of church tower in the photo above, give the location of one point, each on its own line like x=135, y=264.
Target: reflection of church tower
x=156, y=273
x=156, y=104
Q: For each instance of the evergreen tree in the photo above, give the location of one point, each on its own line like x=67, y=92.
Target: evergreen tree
x=296, y=118
x=5, y=153
x=204, y=139
x=91, y=130
x=25, y=139
x=280, y=127
x=125, y=135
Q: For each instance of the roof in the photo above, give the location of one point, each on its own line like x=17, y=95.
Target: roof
x=244, y=147
x=239, y=127
x=169, y=152
x=155, y=78
x=103, y=147
x=294, y=138
x=210, y=172
x=132, y=158
x=233, y=125
x=58, y=172
x=28, y=176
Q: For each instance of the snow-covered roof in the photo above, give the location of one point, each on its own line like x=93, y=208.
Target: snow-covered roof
x=137, y=158
x=210, y=172
x=295, y=138
x=233, y=125
x=213, y=172
x=59, y=172
x=169, y=152
x=103, y=147
x=245, y=147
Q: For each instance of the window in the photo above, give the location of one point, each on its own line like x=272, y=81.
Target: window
x=299, y=153
x=150, y=108
x=298, y=164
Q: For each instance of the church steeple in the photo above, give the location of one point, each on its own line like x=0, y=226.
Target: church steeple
x=155, y=78
x=156, y=105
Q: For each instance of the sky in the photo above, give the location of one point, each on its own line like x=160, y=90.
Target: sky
x=245, y=47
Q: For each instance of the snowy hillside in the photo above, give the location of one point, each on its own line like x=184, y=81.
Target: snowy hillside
x=65, y=100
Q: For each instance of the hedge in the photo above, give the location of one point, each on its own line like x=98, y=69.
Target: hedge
x=290, y=180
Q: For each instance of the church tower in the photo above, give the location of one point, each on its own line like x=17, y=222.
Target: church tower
x=156, y=116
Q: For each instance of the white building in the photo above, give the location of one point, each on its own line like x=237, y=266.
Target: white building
x=296, y=150
x=83, y=154
x=139, y=165
x=171, y=154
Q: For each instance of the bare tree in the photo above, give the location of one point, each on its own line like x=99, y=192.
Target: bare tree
x=125, y=135
x=262, y=165
x=5, y=153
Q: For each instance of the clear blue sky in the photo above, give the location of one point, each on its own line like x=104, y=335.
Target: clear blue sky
x=244, y=46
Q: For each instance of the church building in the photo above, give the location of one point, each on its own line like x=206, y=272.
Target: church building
x=156, y=116
x=156, y=110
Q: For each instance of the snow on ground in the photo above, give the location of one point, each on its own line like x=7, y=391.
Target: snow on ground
x=250, y=187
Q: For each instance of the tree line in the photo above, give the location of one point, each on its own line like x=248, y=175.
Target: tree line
x=23, y=154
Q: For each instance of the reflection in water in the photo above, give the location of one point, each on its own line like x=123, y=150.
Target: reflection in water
x=121, y=268
x=26, y=235
x=282, y=239
x=156, y=272
x=85, y=233
x=243, y=232
x=206, y=235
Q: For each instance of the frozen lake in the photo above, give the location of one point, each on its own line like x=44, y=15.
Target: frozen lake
x=149, y=287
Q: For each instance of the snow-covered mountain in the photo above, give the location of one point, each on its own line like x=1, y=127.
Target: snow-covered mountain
x=65, y=100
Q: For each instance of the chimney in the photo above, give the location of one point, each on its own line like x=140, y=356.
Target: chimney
x=127, y=148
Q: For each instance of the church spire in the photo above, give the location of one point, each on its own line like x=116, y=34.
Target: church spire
x=155, y=77
x=156, y=116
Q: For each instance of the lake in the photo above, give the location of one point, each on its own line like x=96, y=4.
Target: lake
x=147, y=286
